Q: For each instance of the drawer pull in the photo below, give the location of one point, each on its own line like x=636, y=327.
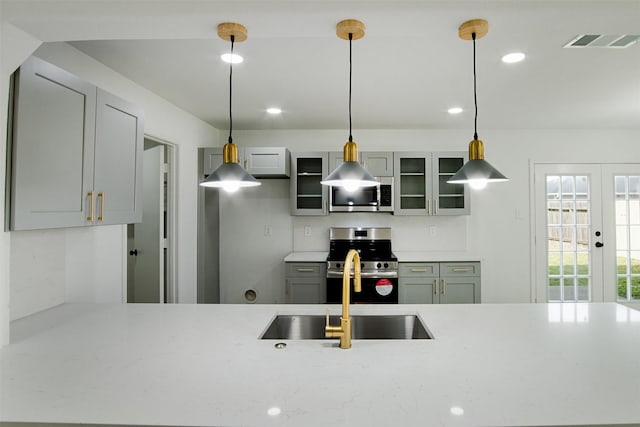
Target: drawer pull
x=418, y=270
x=461, y=270
x=305, y=269
x=444, y=287
x=435, y=287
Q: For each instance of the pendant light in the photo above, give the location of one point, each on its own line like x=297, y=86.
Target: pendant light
x=350, y=175
x=230, y=176
x=477, y=172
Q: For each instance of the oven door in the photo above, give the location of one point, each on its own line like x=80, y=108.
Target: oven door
x=379, y=290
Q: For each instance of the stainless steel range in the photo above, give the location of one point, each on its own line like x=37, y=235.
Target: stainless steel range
x=379, y=266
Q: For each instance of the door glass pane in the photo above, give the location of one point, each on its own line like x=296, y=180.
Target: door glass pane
x=568, y=230
x=627, y=217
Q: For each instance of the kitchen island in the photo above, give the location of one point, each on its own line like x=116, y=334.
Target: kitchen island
x=197, y=365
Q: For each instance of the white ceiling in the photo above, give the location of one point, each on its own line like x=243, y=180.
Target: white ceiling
x=408, y=69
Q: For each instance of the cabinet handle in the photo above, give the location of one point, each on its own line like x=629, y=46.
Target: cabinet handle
x=418, y=270
x=429, y=207
x=436, y=203
x=90, y=196
x=444, y=287
x=460, y=270
x=246, y=164
x=101, y=197
x=435, y=287
x=305, y=269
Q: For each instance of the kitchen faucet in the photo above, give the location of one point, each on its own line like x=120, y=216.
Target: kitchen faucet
x=344, y=330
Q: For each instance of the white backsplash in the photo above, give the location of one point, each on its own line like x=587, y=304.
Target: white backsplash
x=409, y=233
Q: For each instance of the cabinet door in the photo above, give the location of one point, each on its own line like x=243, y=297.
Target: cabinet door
x=212, y=159
x=118, y=160
x=378, y=163
x=52, y=148
x=336, y=158
x=267, y=161
x=306, y=290
x=412, y=172
x=459, y=290
x=417, y=290
x=308, y=196
x=449, y=199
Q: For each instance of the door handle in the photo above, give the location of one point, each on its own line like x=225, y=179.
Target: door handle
x=599, y=244
x=133, y=252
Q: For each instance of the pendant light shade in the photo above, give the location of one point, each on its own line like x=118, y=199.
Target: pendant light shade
x=477, y=172
x=230, y=176
x=350, y=175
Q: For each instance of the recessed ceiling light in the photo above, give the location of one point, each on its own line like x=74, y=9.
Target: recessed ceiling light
x=455, y=110
x=231, y=58
x=511, y=58
x=274, y=110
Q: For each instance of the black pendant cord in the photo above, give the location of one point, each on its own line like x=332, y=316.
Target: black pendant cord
x=350, y=72
x=230, y=89
x=475, y=95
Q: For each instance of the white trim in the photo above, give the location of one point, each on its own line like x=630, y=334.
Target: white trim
x=172, y=213
x=125, y=263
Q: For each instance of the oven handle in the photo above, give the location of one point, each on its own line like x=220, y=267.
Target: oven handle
x=366, y=275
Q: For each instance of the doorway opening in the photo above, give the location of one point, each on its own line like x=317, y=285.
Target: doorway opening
x=151, y=243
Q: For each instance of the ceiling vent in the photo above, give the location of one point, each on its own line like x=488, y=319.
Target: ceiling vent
x=602, y=40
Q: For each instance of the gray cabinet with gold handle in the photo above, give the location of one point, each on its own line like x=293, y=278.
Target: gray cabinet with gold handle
x=439, y=283
x=305, y=282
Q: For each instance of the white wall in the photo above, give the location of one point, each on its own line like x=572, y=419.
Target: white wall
x=498, y=230
x=89, y=264
x=15, y=46
x=255, y=235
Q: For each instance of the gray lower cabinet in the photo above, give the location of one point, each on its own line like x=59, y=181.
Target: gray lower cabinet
x=76, y=152
x=306, y=282
x=439, y=283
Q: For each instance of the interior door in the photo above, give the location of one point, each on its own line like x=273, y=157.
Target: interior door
x=146, y=239
x=568, y=233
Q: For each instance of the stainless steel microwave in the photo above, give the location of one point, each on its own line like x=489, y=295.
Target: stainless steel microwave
x=367, y=199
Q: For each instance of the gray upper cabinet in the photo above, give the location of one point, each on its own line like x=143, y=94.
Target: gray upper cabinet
x=76, y=153
x=308, y=196
x=118, y=160
x=212, y=159
x=377, y=163
x=421, y=186
x=267, y=161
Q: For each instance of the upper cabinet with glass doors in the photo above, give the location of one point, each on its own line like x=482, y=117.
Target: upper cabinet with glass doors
x=421, y=186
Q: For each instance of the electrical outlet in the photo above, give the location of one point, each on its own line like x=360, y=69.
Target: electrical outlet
x=267, y=230
x=307, y=230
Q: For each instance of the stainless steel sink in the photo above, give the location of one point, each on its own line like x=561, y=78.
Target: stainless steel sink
x=365, y=327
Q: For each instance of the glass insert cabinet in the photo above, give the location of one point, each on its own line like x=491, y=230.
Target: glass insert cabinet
x=421, y=184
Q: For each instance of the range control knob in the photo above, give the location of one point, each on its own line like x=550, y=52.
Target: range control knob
x=386, y=265
x=362, y=265
x=378, y=265
x=337, y=265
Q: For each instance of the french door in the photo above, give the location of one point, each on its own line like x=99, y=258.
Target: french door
x=587, y=232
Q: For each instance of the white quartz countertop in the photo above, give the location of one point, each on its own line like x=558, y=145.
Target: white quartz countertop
x=197, y=365
x=306, y=257
x=403, y=256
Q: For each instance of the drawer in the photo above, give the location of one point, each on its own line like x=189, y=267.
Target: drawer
x=418, y=269
x=460, y=269
x=306, y=269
